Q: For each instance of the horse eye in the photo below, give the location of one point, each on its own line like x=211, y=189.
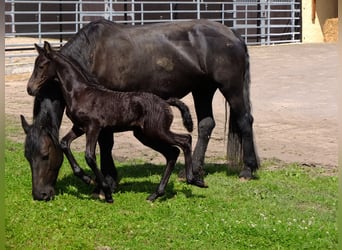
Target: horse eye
x=45, y=157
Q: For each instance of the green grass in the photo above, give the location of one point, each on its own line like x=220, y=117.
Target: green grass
x=288, y=207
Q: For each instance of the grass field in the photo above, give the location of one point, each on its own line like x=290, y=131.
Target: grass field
x=290, y=206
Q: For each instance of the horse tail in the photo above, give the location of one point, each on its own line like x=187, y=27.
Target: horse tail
x=186, y=115
x=234, y=147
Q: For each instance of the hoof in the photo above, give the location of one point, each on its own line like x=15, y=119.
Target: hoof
x=98, y=193
x=182, y=175
x=92, y=182
x=198, y=182
x=109, y=198
x=243, y=179
x=153, y=197
x=246, y=174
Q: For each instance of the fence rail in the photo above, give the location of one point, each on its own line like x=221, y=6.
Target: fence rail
x=261, y=22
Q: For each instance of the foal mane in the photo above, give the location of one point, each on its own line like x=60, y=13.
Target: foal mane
x=89, y=78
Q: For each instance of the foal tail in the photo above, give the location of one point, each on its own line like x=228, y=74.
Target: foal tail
x=187, y=119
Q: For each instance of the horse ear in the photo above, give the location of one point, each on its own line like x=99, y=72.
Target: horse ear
x=25, y=124
x=40, y=50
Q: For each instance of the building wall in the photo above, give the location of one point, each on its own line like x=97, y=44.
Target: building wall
x=312, y=29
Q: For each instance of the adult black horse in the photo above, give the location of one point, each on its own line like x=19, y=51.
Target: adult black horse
x=172, y=60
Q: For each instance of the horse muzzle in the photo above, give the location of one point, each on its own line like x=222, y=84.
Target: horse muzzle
x=31, y=92
x=43, y=194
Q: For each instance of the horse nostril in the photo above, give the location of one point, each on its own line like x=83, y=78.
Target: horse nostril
x=29, y=91
x=44, y=195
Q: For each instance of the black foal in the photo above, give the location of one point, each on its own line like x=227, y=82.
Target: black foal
x=92, y=108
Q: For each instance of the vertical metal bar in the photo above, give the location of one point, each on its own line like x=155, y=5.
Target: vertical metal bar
x=245, y=21
x=198, y=9
x=263, y=16
x=81, y=14
x=60, y=24
x=76, y=16
x=39, y=22
x=13, y=16
x=111, y=10
x=293, y=20
x=133, y=12
x=268, y=20
x=234, y=14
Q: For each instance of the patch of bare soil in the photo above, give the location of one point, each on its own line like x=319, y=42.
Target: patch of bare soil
x=293, y=93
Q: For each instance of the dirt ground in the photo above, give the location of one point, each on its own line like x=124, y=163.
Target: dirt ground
x=294, y=98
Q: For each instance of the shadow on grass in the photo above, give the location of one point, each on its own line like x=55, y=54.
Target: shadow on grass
x=147, y=169
x=71, y=185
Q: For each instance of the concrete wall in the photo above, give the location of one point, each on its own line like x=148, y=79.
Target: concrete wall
x=312, y=30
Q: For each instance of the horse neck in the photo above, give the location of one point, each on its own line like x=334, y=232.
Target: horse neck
x=48, y=117
x=50, y=101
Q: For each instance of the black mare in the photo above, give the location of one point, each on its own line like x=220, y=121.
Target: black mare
x=92, y=108
x=172, y=60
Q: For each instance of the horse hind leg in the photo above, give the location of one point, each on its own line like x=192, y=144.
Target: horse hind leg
x=241, y=139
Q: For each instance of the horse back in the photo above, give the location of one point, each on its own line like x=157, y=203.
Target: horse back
x=166, y=59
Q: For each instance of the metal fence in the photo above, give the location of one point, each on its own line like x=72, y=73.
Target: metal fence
x=261, y=22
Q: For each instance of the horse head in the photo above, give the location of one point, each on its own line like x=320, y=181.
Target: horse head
x=45, y=156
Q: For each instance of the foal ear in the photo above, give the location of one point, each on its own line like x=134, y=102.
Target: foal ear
x=40, y=50
x=47, y=48
x=25, y=124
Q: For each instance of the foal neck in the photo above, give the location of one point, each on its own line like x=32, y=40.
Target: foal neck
x=71, y=76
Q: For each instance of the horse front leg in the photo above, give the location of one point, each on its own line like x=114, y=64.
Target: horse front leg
x=65, y=145
x=206, y=124
x=90, y=156
x=205, y=128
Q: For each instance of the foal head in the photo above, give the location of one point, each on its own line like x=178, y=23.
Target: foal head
x=44, y=70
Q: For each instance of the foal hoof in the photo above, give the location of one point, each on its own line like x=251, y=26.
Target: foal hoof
x=182, y=175
x=110, y=200
x=153, y=197
x=98, y=193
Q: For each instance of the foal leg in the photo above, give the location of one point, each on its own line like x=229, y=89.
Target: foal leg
x=90, y=156
x=168, y=151
x=65, y=145
x=108, y=168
